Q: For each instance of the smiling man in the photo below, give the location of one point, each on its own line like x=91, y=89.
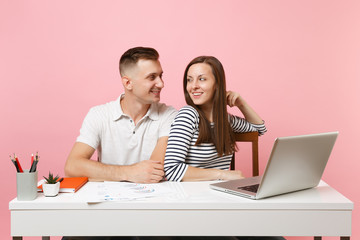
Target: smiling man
x=130, y=133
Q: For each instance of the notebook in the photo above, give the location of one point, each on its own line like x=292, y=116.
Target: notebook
x=295, y=163
x=70, y=184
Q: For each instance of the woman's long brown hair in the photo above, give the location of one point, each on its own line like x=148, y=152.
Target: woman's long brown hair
x=221, y=135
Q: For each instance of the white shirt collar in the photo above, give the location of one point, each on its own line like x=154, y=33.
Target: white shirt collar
x=117, y=112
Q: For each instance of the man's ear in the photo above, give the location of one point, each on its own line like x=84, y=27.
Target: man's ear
x=127, y=82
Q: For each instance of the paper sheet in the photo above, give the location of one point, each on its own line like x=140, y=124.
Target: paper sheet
x=125, y=191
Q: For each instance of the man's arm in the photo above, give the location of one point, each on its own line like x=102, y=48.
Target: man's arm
x=79, y=164
x=152, y=170
x=160, y=149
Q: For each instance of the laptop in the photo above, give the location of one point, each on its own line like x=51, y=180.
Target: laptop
x=295, y=163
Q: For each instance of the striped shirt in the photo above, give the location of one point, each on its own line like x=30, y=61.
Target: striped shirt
x=182, y=152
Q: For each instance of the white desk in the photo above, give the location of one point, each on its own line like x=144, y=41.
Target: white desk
x=195, y=210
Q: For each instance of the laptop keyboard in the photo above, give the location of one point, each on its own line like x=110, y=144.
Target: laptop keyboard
x=250, y=188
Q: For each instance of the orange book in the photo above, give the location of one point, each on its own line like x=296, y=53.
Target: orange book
x=70, y=184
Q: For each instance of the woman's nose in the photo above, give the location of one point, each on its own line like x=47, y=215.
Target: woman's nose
x=195, y=84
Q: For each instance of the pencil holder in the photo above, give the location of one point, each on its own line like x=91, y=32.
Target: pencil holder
x=26, y=185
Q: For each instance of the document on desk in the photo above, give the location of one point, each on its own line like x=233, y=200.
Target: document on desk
x=125, y=191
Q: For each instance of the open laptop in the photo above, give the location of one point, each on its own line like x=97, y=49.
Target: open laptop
x=295, y=163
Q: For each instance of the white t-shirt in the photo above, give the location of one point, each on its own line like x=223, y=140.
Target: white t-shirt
x=117, y=139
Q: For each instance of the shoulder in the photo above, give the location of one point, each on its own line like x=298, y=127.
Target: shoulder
x=188, y=113
x=187, y=119
x=104, y=111
x=189, y=110
x=162, y=112
x=164, y=109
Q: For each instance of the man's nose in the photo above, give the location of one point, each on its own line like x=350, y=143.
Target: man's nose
x=159, y=82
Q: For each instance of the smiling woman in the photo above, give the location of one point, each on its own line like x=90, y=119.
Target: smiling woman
x=201, y=140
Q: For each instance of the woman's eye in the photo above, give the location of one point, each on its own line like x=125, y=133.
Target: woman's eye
x=202, y=79
x=189, y=80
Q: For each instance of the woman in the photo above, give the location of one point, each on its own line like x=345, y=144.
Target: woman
x=201, y=140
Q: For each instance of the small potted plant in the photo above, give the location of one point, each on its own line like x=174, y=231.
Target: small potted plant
x=51, y=186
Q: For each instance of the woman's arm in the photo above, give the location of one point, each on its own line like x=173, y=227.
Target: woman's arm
x=200, y=174
x=181, y=132
x=234, y=99
x=252, y=122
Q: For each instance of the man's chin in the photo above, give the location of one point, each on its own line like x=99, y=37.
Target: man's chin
x=154, y=100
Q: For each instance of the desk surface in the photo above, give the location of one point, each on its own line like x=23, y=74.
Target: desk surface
x=323, y=212
x=194, y=195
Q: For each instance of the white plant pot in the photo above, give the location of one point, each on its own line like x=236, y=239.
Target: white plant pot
x=51, y=190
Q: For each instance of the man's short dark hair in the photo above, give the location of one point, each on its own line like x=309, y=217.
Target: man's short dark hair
x=133, y=55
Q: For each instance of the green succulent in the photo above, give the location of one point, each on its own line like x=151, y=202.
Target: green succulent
x=51, y=179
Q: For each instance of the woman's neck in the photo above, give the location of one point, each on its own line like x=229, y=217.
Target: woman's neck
x=208, y=111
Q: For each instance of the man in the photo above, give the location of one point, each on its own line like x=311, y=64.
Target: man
x=130, y=133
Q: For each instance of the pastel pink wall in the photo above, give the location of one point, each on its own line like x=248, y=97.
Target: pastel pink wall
x=296, y=62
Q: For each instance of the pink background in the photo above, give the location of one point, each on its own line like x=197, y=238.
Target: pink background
x=296, y=62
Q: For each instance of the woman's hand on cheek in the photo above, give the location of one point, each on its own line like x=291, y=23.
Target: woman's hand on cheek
x=233, y=99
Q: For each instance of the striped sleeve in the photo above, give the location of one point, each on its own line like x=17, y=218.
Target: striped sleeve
x=181, y=133
x=239, y=124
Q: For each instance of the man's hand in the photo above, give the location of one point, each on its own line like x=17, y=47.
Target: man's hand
x=147, y=171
